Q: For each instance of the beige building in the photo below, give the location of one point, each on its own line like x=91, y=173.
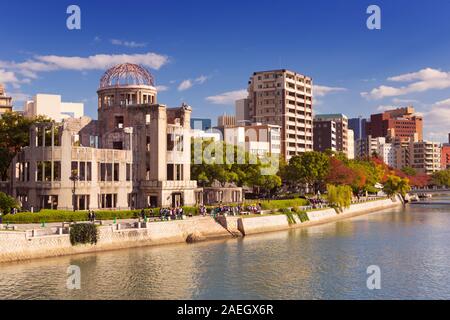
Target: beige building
x=5, y=101
x=350, y=144
x=425, y=156
x=50, y=105
x=283, y=98
x=137, y=154
x=226, y=120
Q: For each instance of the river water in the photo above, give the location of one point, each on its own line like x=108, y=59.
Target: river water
x=411, y=246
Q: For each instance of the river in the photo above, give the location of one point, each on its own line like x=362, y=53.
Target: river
x=411, y=246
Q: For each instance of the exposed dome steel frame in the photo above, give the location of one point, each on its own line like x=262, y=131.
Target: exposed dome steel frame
x=126, y=74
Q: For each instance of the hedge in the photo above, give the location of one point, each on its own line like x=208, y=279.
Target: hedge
x=66, y=216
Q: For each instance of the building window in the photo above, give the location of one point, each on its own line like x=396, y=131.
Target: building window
x=119, y=122
x=170, y=172
x=88, y=171
x=116, y=172
x=128, y=174
x=118, y=145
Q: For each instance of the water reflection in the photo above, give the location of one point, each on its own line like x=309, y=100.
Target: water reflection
x=321, y=262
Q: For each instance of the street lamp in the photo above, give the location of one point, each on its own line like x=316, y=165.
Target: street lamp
x=74, y=178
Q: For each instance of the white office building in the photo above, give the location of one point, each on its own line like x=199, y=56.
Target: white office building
x=51, y=106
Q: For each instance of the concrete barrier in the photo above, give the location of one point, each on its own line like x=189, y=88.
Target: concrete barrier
x=262, y=224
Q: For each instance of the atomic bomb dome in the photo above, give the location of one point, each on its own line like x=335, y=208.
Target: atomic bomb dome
x=126, y=74
x=126, y=84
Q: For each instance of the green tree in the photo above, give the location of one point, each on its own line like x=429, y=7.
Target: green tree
x=441, y=178
x=396, y=185
x=14, y=133
x=7, y=203
x=310, y=168
x=339, y=197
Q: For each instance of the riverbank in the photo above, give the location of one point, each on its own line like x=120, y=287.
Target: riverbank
x=32, y=244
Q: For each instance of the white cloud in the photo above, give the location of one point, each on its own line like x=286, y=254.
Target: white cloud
x=422, y=80
x=8, y=77
x=405, y=101
x=189, y=83
x=30, y=68
x=202, y=79
x=129, y=44
x=383, y=108
x=228, y=98
x=437, y=121
x=184, y=85
x=320, y=91
x=162, y=88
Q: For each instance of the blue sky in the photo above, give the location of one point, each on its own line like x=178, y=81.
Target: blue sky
x=209, y=48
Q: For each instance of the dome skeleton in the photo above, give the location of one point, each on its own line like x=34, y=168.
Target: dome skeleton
x=126, y=74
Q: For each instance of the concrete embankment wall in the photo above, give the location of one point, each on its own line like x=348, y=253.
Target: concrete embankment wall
x=22, y=246
x=15, y=245
x=253, y=225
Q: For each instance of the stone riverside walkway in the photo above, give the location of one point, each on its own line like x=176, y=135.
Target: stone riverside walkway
x=30, y=226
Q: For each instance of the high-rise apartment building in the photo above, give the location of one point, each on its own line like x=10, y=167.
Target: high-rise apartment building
x=324, y=135
x=425, y=156
x=341, y=124
x=5, y=101
x=284, y=98
x=399, y=124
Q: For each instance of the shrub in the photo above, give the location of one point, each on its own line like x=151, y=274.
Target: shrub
x=303, y=216
x=83, y=233
x=278, y=204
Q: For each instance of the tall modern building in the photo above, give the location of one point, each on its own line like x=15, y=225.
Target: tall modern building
x=5, y=101
x=399, y=124
x=358, y=125
x=284, y=98
x=340, y=122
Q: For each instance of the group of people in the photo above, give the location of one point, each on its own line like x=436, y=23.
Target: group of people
x=171, y=213
x=317, y=203
x=91, y=216
x=235, y=211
